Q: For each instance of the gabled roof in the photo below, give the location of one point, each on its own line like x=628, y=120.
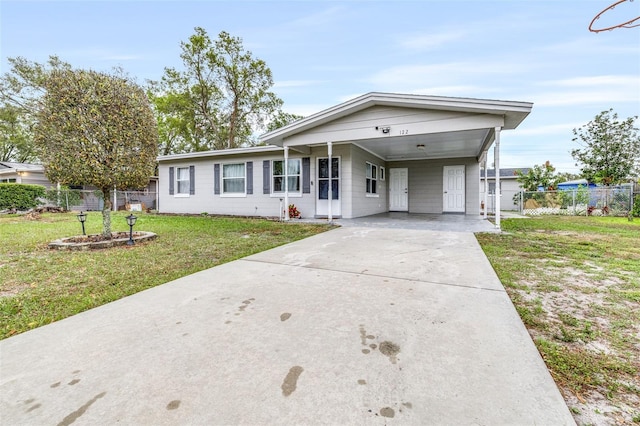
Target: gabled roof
x=221, y=152
x=7, y=167
x=20, y=166
x=512, y=111
x=505, y=173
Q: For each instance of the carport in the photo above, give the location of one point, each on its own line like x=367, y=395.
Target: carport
x=428, y=151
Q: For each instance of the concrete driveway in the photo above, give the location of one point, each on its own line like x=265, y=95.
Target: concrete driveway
x=359, y=325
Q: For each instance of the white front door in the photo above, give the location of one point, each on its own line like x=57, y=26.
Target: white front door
x=322, y=201
x=399, y=190
x=454, y=189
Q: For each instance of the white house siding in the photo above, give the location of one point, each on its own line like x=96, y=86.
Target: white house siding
x=35, y=179
x=362, y=204
x=510, y=187
x=206, y=201
x=426, y=184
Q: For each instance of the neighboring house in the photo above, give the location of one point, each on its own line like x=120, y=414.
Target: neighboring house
x=23, y=173
x=575, y=184
x=34, y=174
x=376, y=153
x=509, y=186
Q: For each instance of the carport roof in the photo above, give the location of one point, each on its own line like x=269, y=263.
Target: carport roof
x=445, y=127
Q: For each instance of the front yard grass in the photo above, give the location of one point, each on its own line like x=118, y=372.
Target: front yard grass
x=39, y=285
x=575, y=281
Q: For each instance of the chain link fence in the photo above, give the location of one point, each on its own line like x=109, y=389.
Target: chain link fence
x=87, y=200
x=587, y=201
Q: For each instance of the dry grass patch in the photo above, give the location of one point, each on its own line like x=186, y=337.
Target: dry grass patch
x=575, y=282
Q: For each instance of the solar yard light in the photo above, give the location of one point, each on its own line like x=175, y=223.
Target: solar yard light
x=82, y=217
x=131, y=220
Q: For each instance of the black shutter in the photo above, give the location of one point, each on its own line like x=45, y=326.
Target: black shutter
x=216, y=179
x=192, y=180
x=249, y=177
x=171, y=181
x=306, y=175
x=266, y=177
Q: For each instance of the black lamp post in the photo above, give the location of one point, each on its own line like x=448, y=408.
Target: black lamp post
x=131, y=220
x=82, y=217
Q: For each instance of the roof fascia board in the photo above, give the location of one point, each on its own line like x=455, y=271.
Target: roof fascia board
x=220, y=153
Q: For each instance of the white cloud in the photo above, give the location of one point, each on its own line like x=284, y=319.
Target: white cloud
x=98, y=54
x=599, y=80
x=453, y=90
x=320, y=19
x=599, y=96
x=429, y=41
x=549, y=129
x=295, y=83
x=591, y=46
x=410, y=76
x=305, y=109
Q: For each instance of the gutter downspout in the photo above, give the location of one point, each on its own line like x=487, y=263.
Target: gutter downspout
x=496, y=159
x=330, y=153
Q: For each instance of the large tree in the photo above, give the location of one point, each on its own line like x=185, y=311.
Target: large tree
x=16, y=143
x=611, y=149
x=96, y=129
x=21, y=89
x=538, y=176
x=220, y=99
x=281, y=119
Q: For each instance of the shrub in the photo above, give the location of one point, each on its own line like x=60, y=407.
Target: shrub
x=636, y=206
x=20, y=196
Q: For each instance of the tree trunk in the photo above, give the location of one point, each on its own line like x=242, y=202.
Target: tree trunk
x=106, y=213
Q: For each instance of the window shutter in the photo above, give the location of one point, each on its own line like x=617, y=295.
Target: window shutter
x=171, y=181
x=266, y=177
x=192, y=180
x=216, y=179
x=249, y=167
x=306, y=175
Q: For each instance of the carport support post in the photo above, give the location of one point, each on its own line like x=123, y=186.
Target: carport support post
x=286, y=183
x=486, y=187
x=329, y=153
x=496, y=162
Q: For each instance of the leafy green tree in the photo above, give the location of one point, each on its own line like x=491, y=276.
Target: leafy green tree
x=543, y=175
x=96, y=129
x=611, y=149
x=219, y=100
x=21, y=89
x=281, y=119
x=16, y=142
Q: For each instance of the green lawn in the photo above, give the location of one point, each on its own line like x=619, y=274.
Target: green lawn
x=39, y=285
x=575, y=281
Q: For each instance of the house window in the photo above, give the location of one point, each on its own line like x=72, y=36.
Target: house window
x=233, y=179
x=381, y=173
x=294, y=174
x=182, y=180
x=8, y=180
x=372, y=179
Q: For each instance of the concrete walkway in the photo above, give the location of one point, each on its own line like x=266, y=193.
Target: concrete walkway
x=359, y=325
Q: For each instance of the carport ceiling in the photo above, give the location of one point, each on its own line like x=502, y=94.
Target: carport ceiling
x=466, y=143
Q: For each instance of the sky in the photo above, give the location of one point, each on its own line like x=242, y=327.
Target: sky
x=323, y=53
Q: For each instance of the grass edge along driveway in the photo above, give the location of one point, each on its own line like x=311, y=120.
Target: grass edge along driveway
x=39, y=286
x=575, y=281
